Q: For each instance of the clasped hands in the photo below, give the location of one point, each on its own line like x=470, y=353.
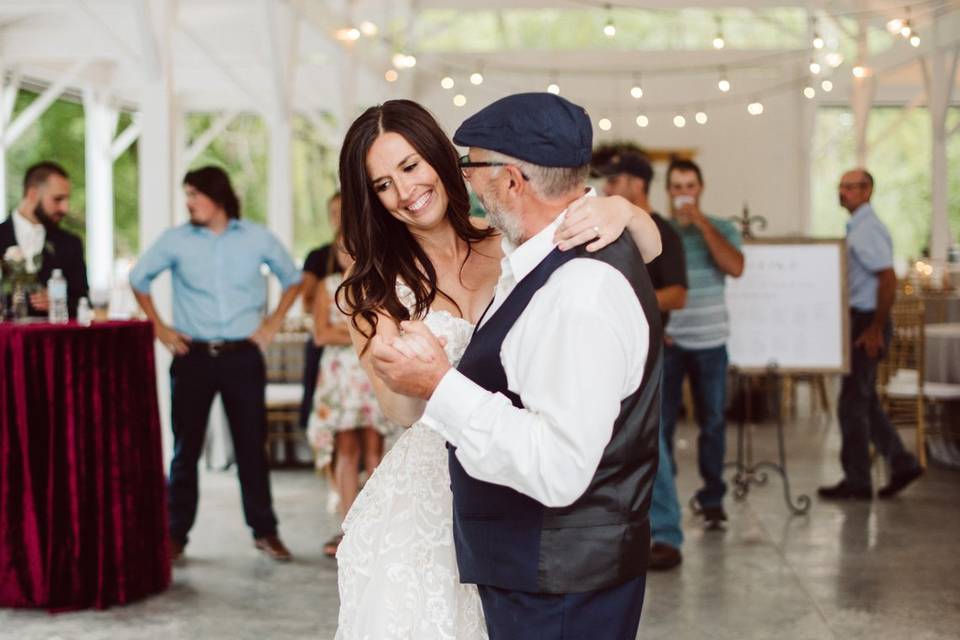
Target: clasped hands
x=411, y=364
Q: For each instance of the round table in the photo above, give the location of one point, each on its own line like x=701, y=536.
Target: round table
x=942, y=352
x=82, y=493
x=941, y=307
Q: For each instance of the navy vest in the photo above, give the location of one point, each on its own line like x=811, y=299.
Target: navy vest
x=508, y=540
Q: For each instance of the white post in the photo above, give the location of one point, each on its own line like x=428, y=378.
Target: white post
x=100, y=120
x=861, y=100
x=157, y=164
x=280, y=187
x=807, y=116
x=939, y=78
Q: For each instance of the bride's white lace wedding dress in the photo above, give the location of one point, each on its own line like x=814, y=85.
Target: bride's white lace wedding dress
x=397, y=567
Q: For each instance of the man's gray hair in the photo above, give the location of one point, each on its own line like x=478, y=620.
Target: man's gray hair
x=548, y=182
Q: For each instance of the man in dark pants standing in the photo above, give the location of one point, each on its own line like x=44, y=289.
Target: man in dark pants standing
x=319, y=264
x=628, y=173
x=873, y=287
x=216, y=338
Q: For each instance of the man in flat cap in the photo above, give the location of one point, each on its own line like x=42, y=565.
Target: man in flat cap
x=552, y=415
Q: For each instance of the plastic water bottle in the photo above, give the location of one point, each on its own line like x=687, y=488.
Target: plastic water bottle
x=57, y=293
x=84, y=313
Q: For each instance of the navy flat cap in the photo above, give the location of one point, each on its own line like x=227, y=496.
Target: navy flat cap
x=540, y=128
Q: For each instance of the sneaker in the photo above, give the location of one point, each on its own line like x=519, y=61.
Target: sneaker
x=664, y=557
x=843, y=491
x=899, y=481
x=273, y=548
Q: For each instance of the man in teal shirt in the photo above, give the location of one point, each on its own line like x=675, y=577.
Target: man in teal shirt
x=696, y=335
x=217, y=339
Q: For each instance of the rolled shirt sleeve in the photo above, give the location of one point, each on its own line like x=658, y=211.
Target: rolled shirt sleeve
x=575, y=353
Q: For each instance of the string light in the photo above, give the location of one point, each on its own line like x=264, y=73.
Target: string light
x=391, y=75
x=476, y=78
x=815, y=67
x=553, y=88
x=859, y=71
x=609, y=29
x=817, y=42
x=723, y=84
x=605, y=124
x=827, y=86
x=459, y=100
x=894, y=26
x=834, y=59
x=404, y=61
x=447, y=82
x=755, y=108
x=809, y=92
x=915, y=40
x=368, y=28
x=636, y=91
x=679, y=121
x=347, y=34
x=700, y=117
x=718, y=40
x=642, y=121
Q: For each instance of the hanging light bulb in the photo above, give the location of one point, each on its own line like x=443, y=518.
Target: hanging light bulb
x=755, y=108
x=718, y=40
x=859, y=71
x=817, y=41
x=827, y=86
x=642, y=121
x=605, y=124
x=809, y=93
x=915, y=40
x=553, y=88
x=347, y=34
x=815, y=67
x=700, y=117
x=391, y=75
x=723, y=84
x=679, y=121
x=447, y=82
x=609, y=29
x=459, y=100
x=476, y=78
x=894, y=26
x=404, y=61
x=834, y=59
x=368, y=28
x=636, y=91
x=906, y=29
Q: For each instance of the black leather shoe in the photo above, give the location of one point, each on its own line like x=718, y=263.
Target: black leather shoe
x=664, y=557
x=714, y=517
x=841, y=491
x=899, y=481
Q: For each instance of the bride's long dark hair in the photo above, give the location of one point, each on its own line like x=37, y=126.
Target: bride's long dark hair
x=382, y=246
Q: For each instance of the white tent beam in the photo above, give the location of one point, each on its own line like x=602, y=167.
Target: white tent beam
x=125, y=139
x=10, y=96
x=88, y=15
x=201, y=142
x=41, y=104
x=902, y=116
x=939, y=77
x=861, y=99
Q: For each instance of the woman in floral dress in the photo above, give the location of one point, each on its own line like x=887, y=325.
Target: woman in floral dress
x=347, y=423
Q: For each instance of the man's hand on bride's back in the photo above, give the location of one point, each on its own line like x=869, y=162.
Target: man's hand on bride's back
x=411, y=364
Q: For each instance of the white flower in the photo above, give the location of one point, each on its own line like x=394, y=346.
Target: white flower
x=13, y=254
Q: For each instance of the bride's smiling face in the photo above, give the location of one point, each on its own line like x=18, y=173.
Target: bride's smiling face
x=409, y=188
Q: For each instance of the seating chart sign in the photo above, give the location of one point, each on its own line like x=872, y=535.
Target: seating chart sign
x=789, y=308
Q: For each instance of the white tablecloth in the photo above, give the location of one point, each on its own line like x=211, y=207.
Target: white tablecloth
x=943, y=352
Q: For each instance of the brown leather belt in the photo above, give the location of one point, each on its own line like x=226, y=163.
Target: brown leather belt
x=214, y=348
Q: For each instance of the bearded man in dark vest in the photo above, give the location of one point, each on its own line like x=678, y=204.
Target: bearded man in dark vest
x=552, y=414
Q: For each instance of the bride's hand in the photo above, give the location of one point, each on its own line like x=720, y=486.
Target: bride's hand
x=600, y=221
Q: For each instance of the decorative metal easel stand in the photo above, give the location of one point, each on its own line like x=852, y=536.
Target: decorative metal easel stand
x=747, y=472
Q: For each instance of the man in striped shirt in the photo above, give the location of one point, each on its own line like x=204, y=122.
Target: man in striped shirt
x=696, y=336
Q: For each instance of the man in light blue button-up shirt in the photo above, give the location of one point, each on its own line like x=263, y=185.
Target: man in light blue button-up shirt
x=218, y=332
x=872, y=287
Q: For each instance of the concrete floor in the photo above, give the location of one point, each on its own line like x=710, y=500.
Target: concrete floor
x=882, y=570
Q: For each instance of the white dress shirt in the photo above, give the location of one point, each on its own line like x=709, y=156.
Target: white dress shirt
x=576, y=351
x=30, y=238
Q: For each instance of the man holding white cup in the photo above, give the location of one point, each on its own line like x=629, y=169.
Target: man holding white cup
x=695, y=343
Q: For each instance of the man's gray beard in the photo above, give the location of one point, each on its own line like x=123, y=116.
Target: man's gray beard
x=508, y=224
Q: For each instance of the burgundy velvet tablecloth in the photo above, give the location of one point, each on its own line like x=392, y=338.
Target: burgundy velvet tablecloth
x=82, y=494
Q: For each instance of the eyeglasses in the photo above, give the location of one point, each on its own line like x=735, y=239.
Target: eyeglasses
x=852, y=185
x=466, y=165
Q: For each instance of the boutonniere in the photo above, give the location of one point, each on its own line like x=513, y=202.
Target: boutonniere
x=49, y=248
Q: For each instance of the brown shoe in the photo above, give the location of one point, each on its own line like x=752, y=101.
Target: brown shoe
x=175, y=551
x=664, y=557
x=273, y=548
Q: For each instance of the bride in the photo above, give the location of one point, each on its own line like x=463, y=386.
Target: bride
x=418, y=255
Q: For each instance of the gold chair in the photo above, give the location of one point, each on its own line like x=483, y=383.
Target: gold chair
x=900, y=374
x=284, y=362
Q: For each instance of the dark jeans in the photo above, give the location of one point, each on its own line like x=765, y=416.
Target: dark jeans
x=311, y=371
x=707, y=369
x=862, y=419
x=240, y=378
